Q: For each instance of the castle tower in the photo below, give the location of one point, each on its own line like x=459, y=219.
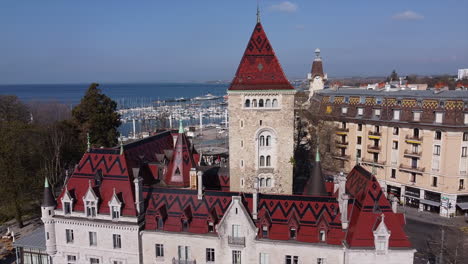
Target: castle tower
x=47, y=210
x=261, y=127
x=316, y=77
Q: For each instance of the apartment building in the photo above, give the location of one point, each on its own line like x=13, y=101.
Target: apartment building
x=415, y=142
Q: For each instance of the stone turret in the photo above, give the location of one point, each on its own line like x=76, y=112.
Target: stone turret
x=47, y=210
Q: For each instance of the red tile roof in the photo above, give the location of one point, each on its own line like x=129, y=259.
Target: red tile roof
x=259, y=68
x=368, y=205
x=183, y=160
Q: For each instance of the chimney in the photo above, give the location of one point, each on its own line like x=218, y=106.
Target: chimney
x=193, y=178
x=200, y=185
x=138, y=190
x=343, y=200
x=255, y=200
x=394, y=201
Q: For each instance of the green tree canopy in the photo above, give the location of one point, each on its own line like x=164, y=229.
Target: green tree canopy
x=96, y=114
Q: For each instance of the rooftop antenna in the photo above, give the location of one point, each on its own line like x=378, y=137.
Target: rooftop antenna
x=258, y=12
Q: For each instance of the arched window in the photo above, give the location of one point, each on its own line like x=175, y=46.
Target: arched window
x=268, y=182
x=254, y=103
x=268, y=161
x=260, y=103
x=247, y=103
x=275, y=103
x=268, y=140
x=262, y=161
x=262, y=141
x=267, y=103
x=262, y=182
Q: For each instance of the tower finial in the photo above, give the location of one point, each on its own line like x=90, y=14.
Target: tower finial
x=89, y=143
x=121, y=146
x=317, y=53
x=181, y=127
x=258, y=13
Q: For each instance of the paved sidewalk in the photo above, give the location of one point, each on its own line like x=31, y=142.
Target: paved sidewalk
x=432, y=218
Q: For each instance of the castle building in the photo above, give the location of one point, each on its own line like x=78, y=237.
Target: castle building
x=151, y=201
x=415, y=141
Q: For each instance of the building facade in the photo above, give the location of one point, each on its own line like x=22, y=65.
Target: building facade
x=151, y=202
x=414, y=141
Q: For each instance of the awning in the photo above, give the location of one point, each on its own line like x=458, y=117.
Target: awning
x=413, y=141
x=429, y=202
x=410, y=196
x=463, y=206
x=374, y=137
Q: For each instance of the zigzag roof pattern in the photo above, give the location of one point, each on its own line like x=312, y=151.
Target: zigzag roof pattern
x=259, y=68
x=369, y=204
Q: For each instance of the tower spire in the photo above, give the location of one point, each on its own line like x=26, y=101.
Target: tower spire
x=258, y=13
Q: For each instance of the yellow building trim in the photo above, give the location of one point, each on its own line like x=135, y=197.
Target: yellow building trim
x=413, y=141
x=341, y=133
x=374, y=137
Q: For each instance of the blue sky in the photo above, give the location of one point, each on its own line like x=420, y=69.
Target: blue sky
x=145, y=41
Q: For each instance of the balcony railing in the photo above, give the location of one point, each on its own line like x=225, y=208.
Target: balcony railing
x=183, y=261
x=373, y=148
x=413, y=138
x=340, y=143
x=375, y=133
x=370, y=162
x=341, y=157
x=340, y=129
x=238, y=241
x=411, y=169
x=410, y=153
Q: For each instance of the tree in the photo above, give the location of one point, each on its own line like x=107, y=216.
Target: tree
x=96, y=114
x=20, y=155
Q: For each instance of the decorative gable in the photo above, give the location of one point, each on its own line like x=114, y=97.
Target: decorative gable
x=67, y=202
x=90, y=201
x=236, y=221
x=115, y=206
x=381, y=237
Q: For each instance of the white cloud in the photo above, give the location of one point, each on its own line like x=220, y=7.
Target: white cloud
x=408, y=15
x=285, y=6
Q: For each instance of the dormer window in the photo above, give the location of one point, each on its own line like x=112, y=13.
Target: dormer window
x=115, y=206
x=90, y=200
x=292, y=233
x=211, y=228
x=91, y=209
x=322, y=235
x=66, y=208
x=67, y=203
x=265, y=231
x=185, y=225
x=381, y=237
x=160, y=223
x=115, y=212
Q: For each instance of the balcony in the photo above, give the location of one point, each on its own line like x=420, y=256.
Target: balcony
x=237, y=241
x=411, y=169
x=412, y=154
x=342, y=131
x=374, y=134
x=413, y=140
x=341, y=144
x=371, y=162
x=183, y=261
x=373, y=148
x=341, y=157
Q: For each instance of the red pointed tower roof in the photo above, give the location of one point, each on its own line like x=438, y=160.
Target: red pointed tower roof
x=178, y=171
x=259, y=68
